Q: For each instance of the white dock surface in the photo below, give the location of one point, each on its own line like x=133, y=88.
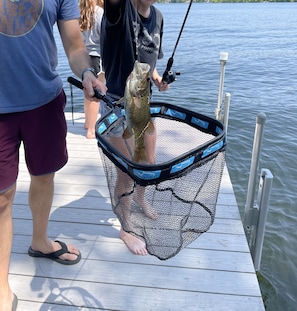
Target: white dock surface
x=213, y=273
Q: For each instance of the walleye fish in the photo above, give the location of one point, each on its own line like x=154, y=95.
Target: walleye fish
x=137, y=109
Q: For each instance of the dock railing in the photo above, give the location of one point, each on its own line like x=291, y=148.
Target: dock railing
x=255, y=213
x=218, y=110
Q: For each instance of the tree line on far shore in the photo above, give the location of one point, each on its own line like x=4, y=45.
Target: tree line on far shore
x=222, y=1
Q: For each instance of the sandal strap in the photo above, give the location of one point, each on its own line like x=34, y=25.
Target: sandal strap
x=59, y=252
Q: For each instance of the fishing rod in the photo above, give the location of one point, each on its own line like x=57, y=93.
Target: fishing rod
x=168, y=75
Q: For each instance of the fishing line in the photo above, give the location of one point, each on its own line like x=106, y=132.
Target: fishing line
x=136, y=25
x=72, y=104
x=168, y=75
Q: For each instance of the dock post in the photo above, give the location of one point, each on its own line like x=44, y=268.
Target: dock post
x=263, y=205
x=250, y=212
x=226, y=111
x=223, y=61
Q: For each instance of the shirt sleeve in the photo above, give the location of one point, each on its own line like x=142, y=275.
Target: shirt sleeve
x=68, y=9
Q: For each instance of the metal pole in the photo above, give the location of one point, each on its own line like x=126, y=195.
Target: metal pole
x=263, y=203
x=223, y=61
x=249, y=219
x=226, y=111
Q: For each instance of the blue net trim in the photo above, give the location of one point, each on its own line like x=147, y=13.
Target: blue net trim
x=154, y=174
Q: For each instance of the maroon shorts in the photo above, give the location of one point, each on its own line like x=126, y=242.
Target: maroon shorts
x=43, y=133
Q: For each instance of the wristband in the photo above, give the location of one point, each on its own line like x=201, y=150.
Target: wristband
x=88, y=69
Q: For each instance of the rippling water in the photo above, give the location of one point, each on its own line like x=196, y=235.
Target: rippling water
x=261, y=75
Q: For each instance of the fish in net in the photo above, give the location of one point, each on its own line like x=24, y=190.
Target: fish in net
x=179, y=192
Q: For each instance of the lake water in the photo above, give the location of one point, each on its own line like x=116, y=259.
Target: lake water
x=261, y=76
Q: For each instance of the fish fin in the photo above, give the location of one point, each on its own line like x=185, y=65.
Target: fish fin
x=127, y=133
x=137, y=102
x=120, y=101
x=151, y=128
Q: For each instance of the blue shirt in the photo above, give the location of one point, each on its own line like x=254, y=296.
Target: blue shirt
x=28, y=52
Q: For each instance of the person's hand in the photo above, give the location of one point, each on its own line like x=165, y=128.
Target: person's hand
x=162, y=87
x=90, y=82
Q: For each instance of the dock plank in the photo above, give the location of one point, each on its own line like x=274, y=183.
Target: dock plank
x=215, y=272
x=64, y=294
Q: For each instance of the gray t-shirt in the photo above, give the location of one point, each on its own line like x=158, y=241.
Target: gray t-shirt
x=92, y=36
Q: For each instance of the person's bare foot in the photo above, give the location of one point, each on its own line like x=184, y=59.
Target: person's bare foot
x=135, y=245
x=10, y=303
x=90, y=134
x=148, y=210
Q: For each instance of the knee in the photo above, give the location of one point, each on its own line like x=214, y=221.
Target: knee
x=40, y=180
x=6, y=199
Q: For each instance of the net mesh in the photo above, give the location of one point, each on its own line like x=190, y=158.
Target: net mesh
x=171, y=203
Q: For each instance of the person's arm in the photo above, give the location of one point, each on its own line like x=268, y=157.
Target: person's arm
x=78, y=56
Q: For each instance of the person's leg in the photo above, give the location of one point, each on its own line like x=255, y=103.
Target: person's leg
x=86, y=111
x=146, y=207
x=40, y=201
x=44, y=137
x=139, y=197
x=91, y=109
x=9, y=161
x=124, y=185
x=6, y=231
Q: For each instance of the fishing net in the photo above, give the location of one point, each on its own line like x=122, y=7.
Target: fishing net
x=171, y=203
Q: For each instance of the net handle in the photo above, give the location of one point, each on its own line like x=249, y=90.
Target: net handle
x=97, y=93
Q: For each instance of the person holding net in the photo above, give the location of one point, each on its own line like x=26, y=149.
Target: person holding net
x=32, y=114
x=131, y=30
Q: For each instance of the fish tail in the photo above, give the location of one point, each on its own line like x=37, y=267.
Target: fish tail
x=140, y=155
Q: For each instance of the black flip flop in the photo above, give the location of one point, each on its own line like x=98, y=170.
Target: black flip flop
x=55, y=255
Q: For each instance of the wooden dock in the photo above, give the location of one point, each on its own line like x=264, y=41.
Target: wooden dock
x=213, y=273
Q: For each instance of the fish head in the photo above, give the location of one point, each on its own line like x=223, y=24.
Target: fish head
x=138, y=79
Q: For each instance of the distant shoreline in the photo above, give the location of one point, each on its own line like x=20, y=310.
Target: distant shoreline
x=220, y=1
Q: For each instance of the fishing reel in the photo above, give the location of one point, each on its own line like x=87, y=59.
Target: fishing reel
x=169, y=76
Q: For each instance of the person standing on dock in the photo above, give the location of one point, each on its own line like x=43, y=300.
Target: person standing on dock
x=131, y=29
x=91, y=12
x=32, y=104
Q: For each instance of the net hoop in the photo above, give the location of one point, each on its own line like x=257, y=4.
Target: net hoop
x=148, y=174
